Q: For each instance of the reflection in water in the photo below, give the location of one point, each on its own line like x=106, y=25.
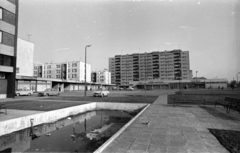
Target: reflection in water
x=77, y=133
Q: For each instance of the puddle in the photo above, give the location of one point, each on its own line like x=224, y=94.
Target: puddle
x=79, y=133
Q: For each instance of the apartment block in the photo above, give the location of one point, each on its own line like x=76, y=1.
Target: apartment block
x=166, y=65
x=74, y=70
x=102, y=77
x=8, y=47
x=38, y=70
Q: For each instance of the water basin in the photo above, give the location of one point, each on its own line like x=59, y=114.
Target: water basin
x=84, y=132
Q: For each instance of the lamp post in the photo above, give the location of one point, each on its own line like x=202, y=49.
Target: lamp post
x=196, y=78
x=85, y=76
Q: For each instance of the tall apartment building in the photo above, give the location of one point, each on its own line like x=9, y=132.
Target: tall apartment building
x=74, y=70
x=166, y=65
x=8, y=47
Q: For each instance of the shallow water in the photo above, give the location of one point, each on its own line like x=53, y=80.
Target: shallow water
x=79, y=133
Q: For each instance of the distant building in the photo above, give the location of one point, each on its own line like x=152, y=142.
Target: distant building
x=166, y=65
x=38, y=70
x=94, y=77
x=103, y=77
x=8, y=47
x=74, y=70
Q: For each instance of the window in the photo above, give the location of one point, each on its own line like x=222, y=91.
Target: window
x=48, y=76
x=74, y=64
x=48, y=71
x=49, y=66
x=7, y=16
x=58, y=71
x=0, y=36
x=68, y=70
x=1, y=13
x=74, y=70
x=58, y=76
x=7, y=39
x=74, y=76
x=6, y=60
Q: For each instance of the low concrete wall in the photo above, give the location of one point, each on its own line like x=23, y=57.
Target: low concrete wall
x=17, y=124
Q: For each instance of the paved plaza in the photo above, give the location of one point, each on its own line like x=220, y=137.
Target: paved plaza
x=162, y=128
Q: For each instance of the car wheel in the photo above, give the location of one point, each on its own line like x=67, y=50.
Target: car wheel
x=102, y=95
x=18, y=94
x=47, y=94
x=29, y=94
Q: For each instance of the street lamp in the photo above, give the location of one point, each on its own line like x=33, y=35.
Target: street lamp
x=85, y=77
x=196, y=77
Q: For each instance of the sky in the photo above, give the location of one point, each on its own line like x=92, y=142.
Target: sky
x=60, y=30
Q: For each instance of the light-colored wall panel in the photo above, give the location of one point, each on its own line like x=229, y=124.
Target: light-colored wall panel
x=8, y=6
x=4, y=26
x=25, y=50
x=6, y=68
x=6, y=50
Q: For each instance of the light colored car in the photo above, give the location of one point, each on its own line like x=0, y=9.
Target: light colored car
x=100, y=93
x=130, y=89
x=49, y=92
x=20, y=92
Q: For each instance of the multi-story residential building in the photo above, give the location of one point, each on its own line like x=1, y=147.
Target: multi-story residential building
x=38, y=70
x=74, y=70
x=166, y=65
x=8, y=47
x=103, y=77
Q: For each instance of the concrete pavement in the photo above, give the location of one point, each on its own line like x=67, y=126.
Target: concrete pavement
x=174, y=130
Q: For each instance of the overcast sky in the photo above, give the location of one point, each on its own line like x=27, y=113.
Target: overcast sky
x=60, y=30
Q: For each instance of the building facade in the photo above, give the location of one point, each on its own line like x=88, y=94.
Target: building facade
x=166, y=65
x=74, y=71
x=8, y=47
x=102, y=77
x=25, y=51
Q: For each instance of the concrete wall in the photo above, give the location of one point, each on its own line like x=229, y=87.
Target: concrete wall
x=12, y=125
x=25, y=57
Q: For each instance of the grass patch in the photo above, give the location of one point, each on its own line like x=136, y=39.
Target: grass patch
x=52, y=103
x=229, y=139
x=39, y=105
x=128, y=99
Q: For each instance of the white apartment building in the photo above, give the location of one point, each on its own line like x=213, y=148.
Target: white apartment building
x=103, y=77
x=74, y=70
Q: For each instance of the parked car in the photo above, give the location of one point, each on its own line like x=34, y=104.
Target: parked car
x=101, y=93
x=130, y=88
x=48, y=92
x=20, y=92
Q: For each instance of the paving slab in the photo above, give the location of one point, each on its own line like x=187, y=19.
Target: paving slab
x=176, y=129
